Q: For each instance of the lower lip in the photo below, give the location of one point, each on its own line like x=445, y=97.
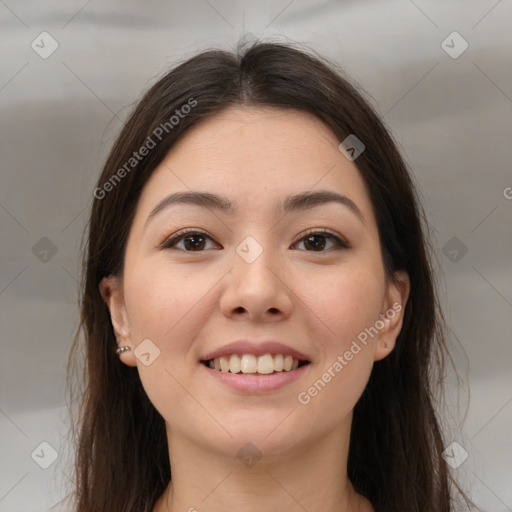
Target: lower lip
x=257, y=384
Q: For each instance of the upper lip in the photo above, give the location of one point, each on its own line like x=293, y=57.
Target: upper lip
x=256, y=349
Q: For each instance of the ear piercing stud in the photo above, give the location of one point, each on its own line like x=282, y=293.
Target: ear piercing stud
x=120, y=350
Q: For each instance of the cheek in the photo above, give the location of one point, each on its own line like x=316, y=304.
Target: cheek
x=170, y=304
x=348, y=305
x=164, y=305
x=346, y=302
x=163, y=302
x=333, y=391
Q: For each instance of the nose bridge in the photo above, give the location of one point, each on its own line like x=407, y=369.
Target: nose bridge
x=256, y=286
x=251, y=250
x=254, y=257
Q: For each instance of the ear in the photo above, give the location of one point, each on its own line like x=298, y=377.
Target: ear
x=392, y=313
x=112, y=293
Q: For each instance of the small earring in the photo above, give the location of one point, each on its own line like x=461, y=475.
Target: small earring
x=120, y=350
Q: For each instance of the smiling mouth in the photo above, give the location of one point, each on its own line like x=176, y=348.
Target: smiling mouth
x=266, y=364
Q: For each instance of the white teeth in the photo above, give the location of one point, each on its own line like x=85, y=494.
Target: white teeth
x=234, y=364
x=266, y=364
x=224, y=364
x=248, y=363
x=279, y=363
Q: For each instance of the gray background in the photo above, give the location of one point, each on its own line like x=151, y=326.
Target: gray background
x=60, y=115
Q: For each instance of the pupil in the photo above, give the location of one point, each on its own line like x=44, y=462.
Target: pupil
x=193, y=237
x=321, y=245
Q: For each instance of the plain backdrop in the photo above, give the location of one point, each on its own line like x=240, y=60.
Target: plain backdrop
x=438, y=72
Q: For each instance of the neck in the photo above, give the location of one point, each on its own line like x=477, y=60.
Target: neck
x=310, y=477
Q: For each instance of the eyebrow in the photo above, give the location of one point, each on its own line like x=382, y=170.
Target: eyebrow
x=298, y=202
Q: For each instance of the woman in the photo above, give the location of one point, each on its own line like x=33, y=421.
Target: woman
x=259, y=311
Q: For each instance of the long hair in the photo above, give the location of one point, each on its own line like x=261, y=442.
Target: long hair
x=395, y=456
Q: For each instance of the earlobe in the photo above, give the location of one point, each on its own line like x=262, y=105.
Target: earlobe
x=392, y=315
x=111, y=292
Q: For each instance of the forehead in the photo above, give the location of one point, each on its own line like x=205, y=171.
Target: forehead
x=256, y=156
x=264, y=129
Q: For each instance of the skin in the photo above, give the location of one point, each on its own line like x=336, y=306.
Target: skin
x=316, y=300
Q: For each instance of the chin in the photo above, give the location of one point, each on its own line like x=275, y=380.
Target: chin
x=274, y=434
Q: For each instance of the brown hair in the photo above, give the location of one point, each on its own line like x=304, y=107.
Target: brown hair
x=396, y=443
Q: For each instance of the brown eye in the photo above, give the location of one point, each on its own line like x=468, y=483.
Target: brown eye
x=317, y=241
x=193, y=241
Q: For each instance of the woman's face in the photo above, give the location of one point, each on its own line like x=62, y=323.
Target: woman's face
x=261, y=273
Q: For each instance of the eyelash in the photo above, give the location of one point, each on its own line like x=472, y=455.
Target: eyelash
x=180, y=235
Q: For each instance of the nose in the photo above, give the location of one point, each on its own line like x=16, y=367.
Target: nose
x=257, y=290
